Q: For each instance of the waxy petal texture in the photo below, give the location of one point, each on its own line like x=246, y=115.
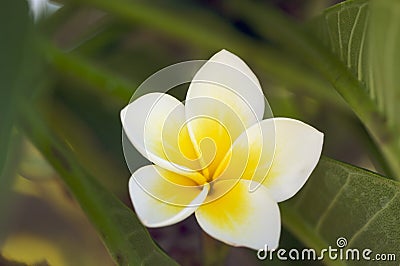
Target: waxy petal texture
x=177, y=196
x=214, y=156
x=223, y=99
x=241, y=217
x=155, y=125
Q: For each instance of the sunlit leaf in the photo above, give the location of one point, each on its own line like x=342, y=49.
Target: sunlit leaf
x=46, y=224
x=5, y=261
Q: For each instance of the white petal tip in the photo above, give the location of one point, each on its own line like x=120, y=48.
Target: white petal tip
x=224, y=51
x=298, y=151
x=123, y=113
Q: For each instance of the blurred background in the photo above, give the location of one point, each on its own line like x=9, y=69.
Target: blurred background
x=82, y=61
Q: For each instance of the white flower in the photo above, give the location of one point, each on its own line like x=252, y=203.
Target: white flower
x=40, y=8
x=210, y=151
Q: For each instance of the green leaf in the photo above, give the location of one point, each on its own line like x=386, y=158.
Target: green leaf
x=73, y=65
x=14, y=26
x=301, y=43
x=125, y=237
x=365, y=36
x=204, y=30
x=384, y=59
x=340, y=200
x=15, y=57
x=343, y=29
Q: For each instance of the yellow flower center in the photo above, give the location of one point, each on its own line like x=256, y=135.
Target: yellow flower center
x=206, y=148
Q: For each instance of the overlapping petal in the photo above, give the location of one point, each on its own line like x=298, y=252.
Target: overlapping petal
x=240, y=217
x=161, y=197
x=251, y=156
x=223, y=99
x=215, y=156
x=280, y=153
x=297, y=152
x=155, y=125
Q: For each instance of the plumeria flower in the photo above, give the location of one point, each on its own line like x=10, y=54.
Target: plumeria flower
x=216, y=157
x=40, y=8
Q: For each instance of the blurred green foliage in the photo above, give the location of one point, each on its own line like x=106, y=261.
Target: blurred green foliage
x=93, y=54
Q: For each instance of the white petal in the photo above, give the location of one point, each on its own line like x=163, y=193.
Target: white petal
x=155, y=125
x=122, y=114
x=223, y=99
x=240, y=217
x=52, y=7
x=163, y=198
x=251, y=156
x=280, y=153
x=298, y=150
x=41, y=8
